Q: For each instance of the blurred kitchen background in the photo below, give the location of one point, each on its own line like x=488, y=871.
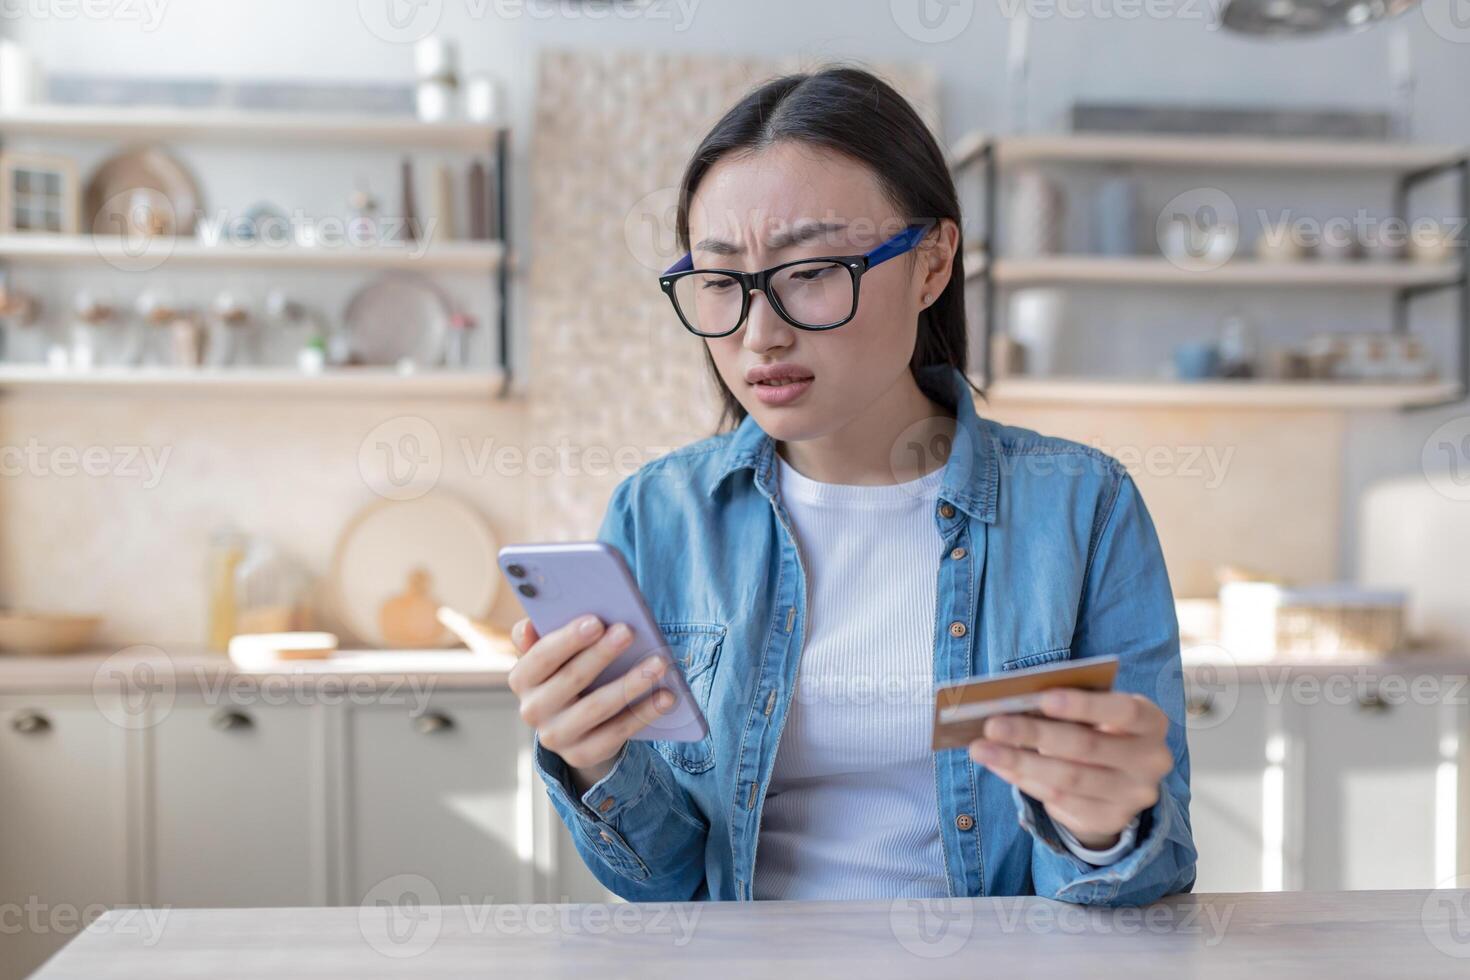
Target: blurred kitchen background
x=307, y=308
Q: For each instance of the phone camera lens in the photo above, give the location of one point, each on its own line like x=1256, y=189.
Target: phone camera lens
x=528, y=590
x=515, y=571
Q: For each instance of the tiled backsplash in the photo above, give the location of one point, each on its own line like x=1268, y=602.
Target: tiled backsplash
x=611, y=367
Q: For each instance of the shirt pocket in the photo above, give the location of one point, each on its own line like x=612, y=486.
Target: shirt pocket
x=695, y=648
x=1037, y=659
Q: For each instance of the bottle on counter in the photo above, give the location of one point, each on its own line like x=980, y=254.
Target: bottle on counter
x=226, y=551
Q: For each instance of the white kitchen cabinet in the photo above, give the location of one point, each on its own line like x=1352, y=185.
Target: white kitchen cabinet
x=571, y=881
x=236, y=813
x=1320, y=779
x=439, y=802
x=64, y=789
x=1380, y=780
x=1234, y=788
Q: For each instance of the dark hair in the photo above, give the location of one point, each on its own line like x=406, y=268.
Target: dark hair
x=855, y=113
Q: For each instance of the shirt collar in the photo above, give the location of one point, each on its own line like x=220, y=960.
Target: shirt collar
x=971, y=474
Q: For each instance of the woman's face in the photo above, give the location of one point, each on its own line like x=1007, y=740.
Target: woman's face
x=794, y=201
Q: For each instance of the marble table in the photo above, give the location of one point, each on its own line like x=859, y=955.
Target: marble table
x=1292, y=934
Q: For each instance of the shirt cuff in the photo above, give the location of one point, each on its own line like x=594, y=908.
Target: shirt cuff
x=1100, y=858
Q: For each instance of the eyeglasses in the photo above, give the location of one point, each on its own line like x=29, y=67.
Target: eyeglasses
x=810, y=294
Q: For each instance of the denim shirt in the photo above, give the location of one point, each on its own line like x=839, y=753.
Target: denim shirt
x=1049, y=554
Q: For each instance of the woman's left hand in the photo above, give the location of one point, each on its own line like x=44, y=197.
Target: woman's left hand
x=1094, y=761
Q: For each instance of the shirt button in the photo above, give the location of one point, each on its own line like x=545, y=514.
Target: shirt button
x=606, y=838
x=946, y=511
x=957, y=554
x=956, y=629
x=606, y=805
x=964, y=821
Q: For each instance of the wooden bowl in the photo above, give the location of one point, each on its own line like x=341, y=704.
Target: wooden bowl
x=46, y=633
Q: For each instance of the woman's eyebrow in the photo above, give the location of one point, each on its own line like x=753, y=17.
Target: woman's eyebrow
x=799, y=235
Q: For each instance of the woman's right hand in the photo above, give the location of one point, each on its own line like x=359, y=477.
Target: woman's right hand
x=587, y=731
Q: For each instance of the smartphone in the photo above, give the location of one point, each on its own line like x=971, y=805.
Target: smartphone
x=557, y=583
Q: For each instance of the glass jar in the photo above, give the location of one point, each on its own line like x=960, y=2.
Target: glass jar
x=226, y=551
x=272, y=592
x=99, y=337
x=234, y=335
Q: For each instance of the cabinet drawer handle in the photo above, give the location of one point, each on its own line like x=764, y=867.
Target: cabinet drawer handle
x=1371, y=703
x=433, y=723
x=232, y=721
x=1200, y=705
x=31, y=723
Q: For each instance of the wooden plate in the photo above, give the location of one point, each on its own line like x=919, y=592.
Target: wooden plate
x=139, y=193
x=374, y=589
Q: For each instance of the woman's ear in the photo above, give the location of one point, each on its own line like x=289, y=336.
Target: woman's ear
x=936, y=259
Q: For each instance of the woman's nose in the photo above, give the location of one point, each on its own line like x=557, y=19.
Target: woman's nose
x=763, y=328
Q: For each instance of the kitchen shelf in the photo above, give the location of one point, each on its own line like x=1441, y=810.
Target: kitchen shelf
x=1219, y=152
x=345, y=382
x=452, y=256
x=1217, y=394
x=1153, y=271
x=1406, y=166
x=234, y=125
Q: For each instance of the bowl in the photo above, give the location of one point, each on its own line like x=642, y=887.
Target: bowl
x=46, y=633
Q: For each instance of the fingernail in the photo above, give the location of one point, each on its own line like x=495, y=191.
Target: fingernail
x=620, y=632
x=983, y=751
x=999, y=728
x=663, y=700
x=588, y=626
x=654, y=665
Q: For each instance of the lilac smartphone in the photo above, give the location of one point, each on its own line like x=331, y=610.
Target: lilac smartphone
x=556, y=583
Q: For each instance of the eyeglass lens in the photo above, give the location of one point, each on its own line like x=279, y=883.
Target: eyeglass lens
x=814, y=294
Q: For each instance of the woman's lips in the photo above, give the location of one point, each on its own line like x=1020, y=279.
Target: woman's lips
x=782, y=393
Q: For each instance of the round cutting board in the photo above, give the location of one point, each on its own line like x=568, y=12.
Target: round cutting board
x=398, y=560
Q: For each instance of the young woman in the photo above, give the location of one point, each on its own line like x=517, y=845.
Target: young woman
x=859, y=536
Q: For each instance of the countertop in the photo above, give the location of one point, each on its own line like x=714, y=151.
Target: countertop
x=184, y=667
x=1390, y=934
x=457, y=668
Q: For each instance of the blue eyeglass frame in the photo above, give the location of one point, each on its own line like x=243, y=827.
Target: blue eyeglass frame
x=856, y=265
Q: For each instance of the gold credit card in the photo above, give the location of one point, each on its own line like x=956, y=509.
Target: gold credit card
x=960, y=708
